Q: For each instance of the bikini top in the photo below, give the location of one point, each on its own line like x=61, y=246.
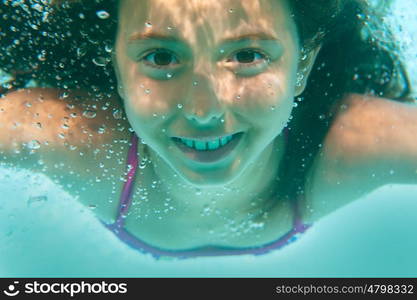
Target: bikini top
x=126, y=200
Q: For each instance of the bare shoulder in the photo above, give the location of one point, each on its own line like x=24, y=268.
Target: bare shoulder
x=58, y=118
x=76, y=140
x=371, y=143
x=369, y=126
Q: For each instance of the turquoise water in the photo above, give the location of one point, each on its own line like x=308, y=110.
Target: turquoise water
x=56, y=236
x=45, y=232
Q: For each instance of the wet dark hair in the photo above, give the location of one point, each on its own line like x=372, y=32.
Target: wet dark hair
x=358, y=55
x=68, y=46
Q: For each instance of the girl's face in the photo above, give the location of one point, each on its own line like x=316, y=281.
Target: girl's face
x=205, y=72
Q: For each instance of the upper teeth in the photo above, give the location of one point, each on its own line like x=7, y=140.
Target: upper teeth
x=208, y=144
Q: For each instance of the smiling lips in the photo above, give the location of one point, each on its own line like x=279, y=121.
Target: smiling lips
x=208, y=150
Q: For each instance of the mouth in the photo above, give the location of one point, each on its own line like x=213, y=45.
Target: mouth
x=208, y=150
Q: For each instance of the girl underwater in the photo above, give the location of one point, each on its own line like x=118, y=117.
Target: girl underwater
x=199, y=127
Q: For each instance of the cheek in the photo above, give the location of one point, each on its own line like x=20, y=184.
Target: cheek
x=143, y=96
x=147, y=97
x=267, y=100
x=267, y=92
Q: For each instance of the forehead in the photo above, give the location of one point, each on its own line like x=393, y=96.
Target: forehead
x=213, y=19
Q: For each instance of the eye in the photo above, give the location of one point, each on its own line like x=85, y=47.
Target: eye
x=160, y=59
x=248, y=62
x=249, y=57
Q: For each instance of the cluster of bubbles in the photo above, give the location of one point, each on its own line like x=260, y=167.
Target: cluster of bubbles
x=36, y=33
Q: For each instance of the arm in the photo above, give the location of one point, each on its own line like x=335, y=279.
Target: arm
x=37, y=123
x=43, y=133
x=380, y=139
x=372, y=142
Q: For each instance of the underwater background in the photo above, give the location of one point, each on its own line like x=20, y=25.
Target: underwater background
x=44, y=232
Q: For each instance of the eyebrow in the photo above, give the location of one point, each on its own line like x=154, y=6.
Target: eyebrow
x=138, y=36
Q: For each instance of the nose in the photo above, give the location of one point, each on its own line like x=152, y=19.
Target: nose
x=203, y=105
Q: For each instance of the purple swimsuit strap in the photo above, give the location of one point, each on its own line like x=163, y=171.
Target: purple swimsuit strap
x=126, y=196
x=125, y=201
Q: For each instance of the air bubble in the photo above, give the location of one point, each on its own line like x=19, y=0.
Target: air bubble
x=108, y=48
x=169, y=75
x=257, y=225
x=148, y=24
x=102, y=14
x=63, y=95
x=117, y=114
x=42, y=55
x=299, y=81
x=62, y=65
x=81, y=51
x=33, y=145
x=102, y=129
x=179, y=105
x=360, y=16
x=206, y=211
x=154, y=184
x=36, y=200
x=100, y=61
x=37, y=7
x=93, y=206
x=195, y=83
x=89, y=114
x=142, y=165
